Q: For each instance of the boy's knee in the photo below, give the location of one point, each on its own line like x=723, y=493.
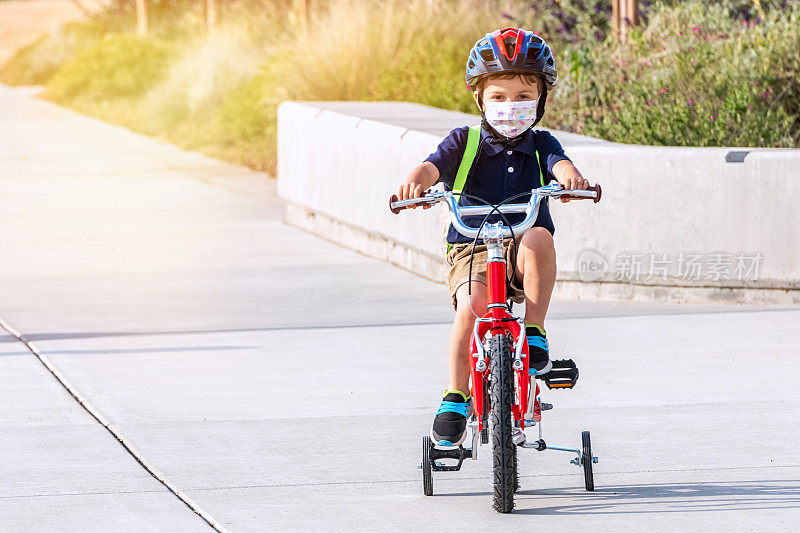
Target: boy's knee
x=478, y=300
x=537, y=240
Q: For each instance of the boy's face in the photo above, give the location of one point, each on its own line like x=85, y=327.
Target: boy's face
x=506, y=90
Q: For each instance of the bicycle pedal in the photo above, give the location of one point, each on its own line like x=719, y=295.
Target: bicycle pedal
x=459, y=454
x=563, y=375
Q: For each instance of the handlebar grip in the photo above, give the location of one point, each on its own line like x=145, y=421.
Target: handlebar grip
x=596, y=188
x=392, y=200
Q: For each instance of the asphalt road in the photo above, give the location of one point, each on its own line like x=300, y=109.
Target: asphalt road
x=275, y=381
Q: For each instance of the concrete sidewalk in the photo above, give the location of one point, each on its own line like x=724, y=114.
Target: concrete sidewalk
x=284, y=383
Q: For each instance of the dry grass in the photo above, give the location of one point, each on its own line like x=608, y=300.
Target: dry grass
x=351, y=45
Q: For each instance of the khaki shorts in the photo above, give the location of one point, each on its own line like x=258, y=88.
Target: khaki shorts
x=458, y=259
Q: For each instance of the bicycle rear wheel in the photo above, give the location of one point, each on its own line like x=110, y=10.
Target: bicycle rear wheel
x=501, y=391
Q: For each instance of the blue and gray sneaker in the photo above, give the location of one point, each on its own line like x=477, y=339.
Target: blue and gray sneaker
x=538, y=350
x=450, y=425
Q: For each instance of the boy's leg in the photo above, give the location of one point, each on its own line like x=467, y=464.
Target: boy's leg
x=460, y=334
x=536, y=270
x=450, y=425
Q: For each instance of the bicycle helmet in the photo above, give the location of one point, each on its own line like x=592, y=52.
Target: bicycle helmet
x=515, y=51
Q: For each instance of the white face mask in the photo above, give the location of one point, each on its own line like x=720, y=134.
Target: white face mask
x=511, y=119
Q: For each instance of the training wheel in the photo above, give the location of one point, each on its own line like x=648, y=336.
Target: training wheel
x=427, y=476
x=587, y=459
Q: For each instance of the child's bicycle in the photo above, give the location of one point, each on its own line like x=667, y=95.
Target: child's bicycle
x=506, y=400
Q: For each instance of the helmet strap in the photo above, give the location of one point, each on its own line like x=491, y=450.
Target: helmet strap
x=540, y=107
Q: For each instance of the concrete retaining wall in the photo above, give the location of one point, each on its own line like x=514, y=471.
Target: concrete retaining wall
x=690, y=224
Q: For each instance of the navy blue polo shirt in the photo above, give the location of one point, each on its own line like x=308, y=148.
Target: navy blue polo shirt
x=499, y=171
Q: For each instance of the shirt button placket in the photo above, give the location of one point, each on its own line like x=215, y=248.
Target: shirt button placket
x=509, y=181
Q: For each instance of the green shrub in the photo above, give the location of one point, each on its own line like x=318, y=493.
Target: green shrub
x=245, y=125
x=692, y=77
x=118, y=66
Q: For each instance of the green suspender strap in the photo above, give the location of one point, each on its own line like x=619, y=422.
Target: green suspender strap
x=539, y=166
x=473, y=140
x=470, y=151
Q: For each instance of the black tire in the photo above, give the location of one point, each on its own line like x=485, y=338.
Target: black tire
x=427, y=475
x=516, y=470
x=588, y=461
x=503, y=450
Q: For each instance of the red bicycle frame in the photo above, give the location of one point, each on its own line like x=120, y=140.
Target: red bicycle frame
x=498, y=321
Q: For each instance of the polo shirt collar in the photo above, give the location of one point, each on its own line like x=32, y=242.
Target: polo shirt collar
x=492, y=146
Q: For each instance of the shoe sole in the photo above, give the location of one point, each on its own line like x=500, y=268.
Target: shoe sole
x=437, y=440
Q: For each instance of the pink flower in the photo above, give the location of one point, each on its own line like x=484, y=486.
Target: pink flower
x=649, y=101
x=713, y=118
x=619, y=63
x=690, y=101
x=696, y=29
x=750, y=107
x=663, y=90
x=746, y=23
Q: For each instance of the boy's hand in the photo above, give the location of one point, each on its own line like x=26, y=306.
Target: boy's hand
x=577, y=183
x=411, y=190
x=569, y=177
x=418, y=181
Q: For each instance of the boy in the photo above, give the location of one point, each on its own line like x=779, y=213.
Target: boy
x=510, y=72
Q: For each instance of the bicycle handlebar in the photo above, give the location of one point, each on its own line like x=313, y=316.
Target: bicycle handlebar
x=531, y=208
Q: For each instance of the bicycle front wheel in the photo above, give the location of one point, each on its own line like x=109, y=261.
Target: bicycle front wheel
x=501, y=391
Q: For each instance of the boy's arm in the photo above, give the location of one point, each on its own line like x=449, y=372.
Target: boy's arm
x=569, y=176
x=418, y=181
